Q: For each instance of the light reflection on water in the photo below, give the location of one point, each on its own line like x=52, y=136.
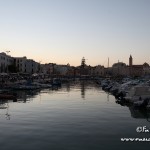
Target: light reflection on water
x=77, y=116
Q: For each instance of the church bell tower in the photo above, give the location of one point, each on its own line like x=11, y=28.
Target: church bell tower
x=130, y=61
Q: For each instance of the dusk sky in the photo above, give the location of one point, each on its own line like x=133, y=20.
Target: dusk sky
x=63, y=31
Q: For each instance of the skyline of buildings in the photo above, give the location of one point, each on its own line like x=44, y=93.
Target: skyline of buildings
x=10, y=64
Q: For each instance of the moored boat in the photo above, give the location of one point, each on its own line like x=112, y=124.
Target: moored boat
x=56, y=82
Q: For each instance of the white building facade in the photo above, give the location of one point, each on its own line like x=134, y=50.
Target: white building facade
x=25, y=65
x=61, y=69
x=5, y=61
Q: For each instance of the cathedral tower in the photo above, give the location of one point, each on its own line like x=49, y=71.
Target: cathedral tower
x=130, y=61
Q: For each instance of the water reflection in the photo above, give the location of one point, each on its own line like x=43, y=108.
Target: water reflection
x=5, y=106
x=68, y=87
x=138, y=113
x=26, y=96
x=82, y=83
x=7, y=115
x=21, y=97
x=108, y=97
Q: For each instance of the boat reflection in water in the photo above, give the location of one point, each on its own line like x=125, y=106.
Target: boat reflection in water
x=23, y=96
x=20, y=97
x=5, y=106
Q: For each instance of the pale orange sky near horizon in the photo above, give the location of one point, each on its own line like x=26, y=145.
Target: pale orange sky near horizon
x=64, y=31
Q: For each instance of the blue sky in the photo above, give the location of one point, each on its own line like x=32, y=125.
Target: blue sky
x=63, y=31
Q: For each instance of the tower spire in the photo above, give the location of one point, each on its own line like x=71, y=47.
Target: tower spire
x=130, y=60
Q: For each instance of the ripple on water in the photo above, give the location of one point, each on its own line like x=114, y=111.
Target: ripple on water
x=81, y=117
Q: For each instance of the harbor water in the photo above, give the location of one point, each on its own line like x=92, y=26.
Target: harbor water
x=76, y=116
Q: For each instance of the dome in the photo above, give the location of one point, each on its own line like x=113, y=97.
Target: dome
x=119, y=64
x=146, y=64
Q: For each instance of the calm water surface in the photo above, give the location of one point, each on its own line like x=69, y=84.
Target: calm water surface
x=77, y=116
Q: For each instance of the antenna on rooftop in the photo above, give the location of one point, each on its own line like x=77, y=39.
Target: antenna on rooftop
x=108, y=62
x=7, y=52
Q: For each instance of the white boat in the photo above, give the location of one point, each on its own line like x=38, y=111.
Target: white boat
x=137, y=93
x=42, y=85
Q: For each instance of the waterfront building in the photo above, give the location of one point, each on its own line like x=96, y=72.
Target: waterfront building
x=5, y=62
x=77, y=71
x=97, y=71
x=32, y=66
x=47, y=68
x=137, y=70
x=119, y=69
x=20, y=63
x=146, y=69
x=61, y=69
x=25, y=65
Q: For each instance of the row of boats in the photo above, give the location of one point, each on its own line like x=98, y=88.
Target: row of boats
x=135, y=91
x=32, y=85
x=26, y=85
